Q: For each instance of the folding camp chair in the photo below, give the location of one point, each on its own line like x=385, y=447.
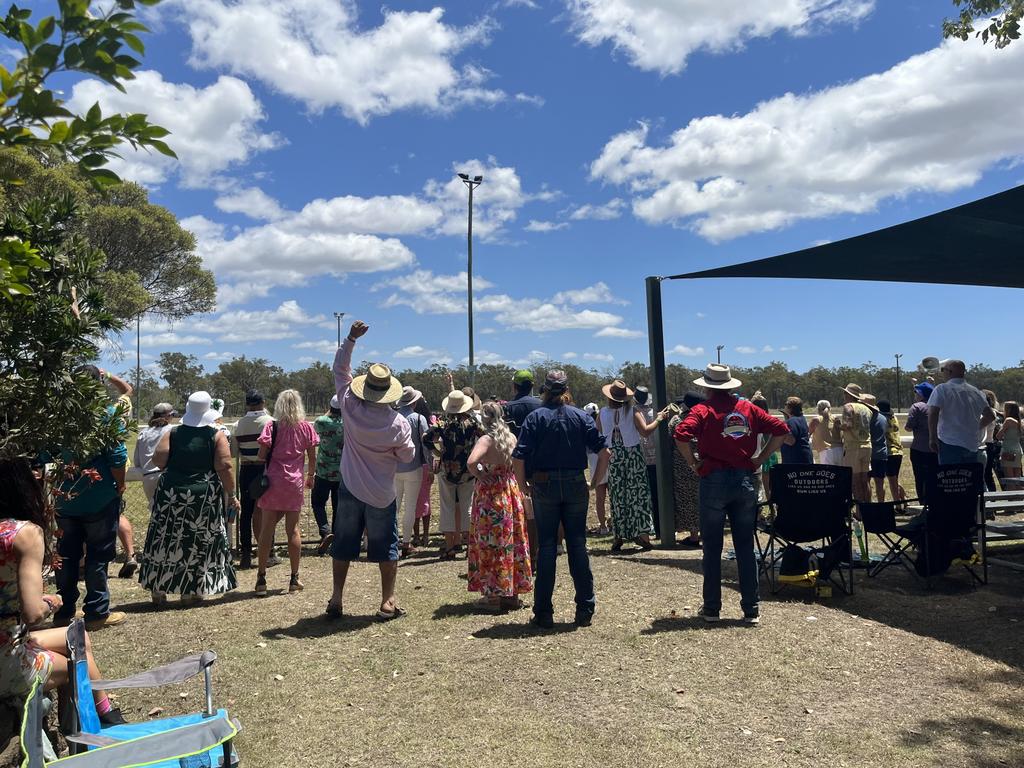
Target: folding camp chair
x=198, y=740
x=879, y=518
x=952, y=520
x=810, y=503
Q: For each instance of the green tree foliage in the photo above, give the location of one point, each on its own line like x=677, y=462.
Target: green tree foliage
x=183, y=374
x=80, y=39
x=151, y=266
x=46, y=399
x=999, y=21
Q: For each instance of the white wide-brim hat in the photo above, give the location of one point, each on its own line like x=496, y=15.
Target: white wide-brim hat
x=198, y=412
x=409, y=396
x=457, y=402
x=718, y=376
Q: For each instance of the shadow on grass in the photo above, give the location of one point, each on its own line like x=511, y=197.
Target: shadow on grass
x=520, y=630
x=173, y=604
x=683, y=563
x=321, y=626
x=689, y=624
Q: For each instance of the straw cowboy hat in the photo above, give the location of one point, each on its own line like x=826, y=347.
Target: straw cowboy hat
x=854, y=391
x=717, y=376
x=377, y=386
x=409, y=396
x=617, y=391
x=869, y=400
x=457, y=402
x=198, y=411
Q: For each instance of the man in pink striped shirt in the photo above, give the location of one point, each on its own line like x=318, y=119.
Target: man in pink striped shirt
x=377, y=440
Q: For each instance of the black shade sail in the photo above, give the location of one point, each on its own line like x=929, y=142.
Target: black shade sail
x=980, y=243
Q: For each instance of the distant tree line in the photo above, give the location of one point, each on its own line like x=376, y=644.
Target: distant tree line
x=183, y=374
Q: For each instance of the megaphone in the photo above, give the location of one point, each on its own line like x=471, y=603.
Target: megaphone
x=931, y=364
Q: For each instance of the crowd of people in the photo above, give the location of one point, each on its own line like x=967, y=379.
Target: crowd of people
x=513, y=478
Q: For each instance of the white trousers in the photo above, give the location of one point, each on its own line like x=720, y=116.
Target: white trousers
x=456, y=500
x=407, y=492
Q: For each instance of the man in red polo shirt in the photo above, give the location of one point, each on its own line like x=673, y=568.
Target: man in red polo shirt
x=726, y=430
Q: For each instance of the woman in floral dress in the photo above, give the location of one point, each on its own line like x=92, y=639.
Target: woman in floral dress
x=186, y=551
x=628, y=489
x=685, y=482
x=499, y=551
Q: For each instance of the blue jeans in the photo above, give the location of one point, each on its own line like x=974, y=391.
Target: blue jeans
x=323, y=490
x=954, y=454
x=562, y=498
x=729, y=493
x=97, y=536
x=353, y=516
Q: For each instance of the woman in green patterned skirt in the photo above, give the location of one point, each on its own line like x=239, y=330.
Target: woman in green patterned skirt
x=628, y=490
x=186, y=550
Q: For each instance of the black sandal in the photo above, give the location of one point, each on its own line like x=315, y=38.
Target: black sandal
x=617, y=545
x=646, y=546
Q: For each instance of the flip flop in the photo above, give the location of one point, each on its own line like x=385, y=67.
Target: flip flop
x=395, y=614
x=333, y=611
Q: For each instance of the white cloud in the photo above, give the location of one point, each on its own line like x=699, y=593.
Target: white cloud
x=212, y=129
x=604, y=212
x=789, y=348
x=392, y=214
x=537, y=356
x=700, y=315
x=767, y=348
x=933, y=123
x=244, y=326
x=326, y=347
x=545, y=226
x=240, y=293
x=598, y=293
x=570, y=356
x=745, y=350
x=660, y=35
x=170, y=338
x=276, y=254
x=417, y=351
x=426, y=293
x=532, y=99
x=598, y=358
x=318, y=52
x=252, y=202
x=496, y=202
x=218, y=356
x=619, y=333
x=682, y=349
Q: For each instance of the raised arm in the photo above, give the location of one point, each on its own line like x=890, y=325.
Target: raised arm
x=643, y=427
x=343, y=358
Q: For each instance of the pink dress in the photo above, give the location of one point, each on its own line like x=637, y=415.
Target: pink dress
x=423, y=502
x=287, y=490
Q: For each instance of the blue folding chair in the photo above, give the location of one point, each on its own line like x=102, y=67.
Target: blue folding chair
x=198, y=740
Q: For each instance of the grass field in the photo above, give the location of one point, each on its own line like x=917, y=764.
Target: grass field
x=893, y=675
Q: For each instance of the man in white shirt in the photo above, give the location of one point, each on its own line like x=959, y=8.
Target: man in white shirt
x=957, y=416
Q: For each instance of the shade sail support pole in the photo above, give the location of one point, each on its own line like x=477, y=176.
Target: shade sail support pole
x=659, y=389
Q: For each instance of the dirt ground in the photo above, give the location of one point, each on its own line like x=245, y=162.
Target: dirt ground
x=893, y=675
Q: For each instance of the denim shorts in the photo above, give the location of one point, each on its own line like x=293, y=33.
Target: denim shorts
x=355, y=516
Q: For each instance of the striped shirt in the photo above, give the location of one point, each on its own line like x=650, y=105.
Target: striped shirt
x=247, y=430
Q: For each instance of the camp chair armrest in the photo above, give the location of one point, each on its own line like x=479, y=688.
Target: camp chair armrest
x=175, y=672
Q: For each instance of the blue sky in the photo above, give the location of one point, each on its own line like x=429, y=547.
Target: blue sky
x=319, y=141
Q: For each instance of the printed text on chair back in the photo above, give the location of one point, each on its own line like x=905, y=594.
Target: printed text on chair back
x=811, y=501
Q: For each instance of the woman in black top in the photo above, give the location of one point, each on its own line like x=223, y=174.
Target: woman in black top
x=796, y=448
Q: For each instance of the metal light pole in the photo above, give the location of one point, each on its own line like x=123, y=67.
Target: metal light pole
x=472, y=183
x=338, y=316
x=719, y=349
x=898, y=404
x=138, y=363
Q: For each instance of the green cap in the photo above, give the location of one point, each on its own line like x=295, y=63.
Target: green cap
x=523, y=377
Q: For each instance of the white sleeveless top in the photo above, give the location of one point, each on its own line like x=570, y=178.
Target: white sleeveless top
x=626, y=425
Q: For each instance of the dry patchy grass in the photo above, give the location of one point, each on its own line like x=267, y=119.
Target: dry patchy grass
x=893, y=675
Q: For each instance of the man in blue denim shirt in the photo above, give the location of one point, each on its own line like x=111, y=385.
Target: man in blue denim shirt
x=726, y=429
x=549, y=463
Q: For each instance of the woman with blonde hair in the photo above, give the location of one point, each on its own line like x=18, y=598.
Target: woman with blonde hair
x=285, y=444
x=820, y=428
x=499, y=550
